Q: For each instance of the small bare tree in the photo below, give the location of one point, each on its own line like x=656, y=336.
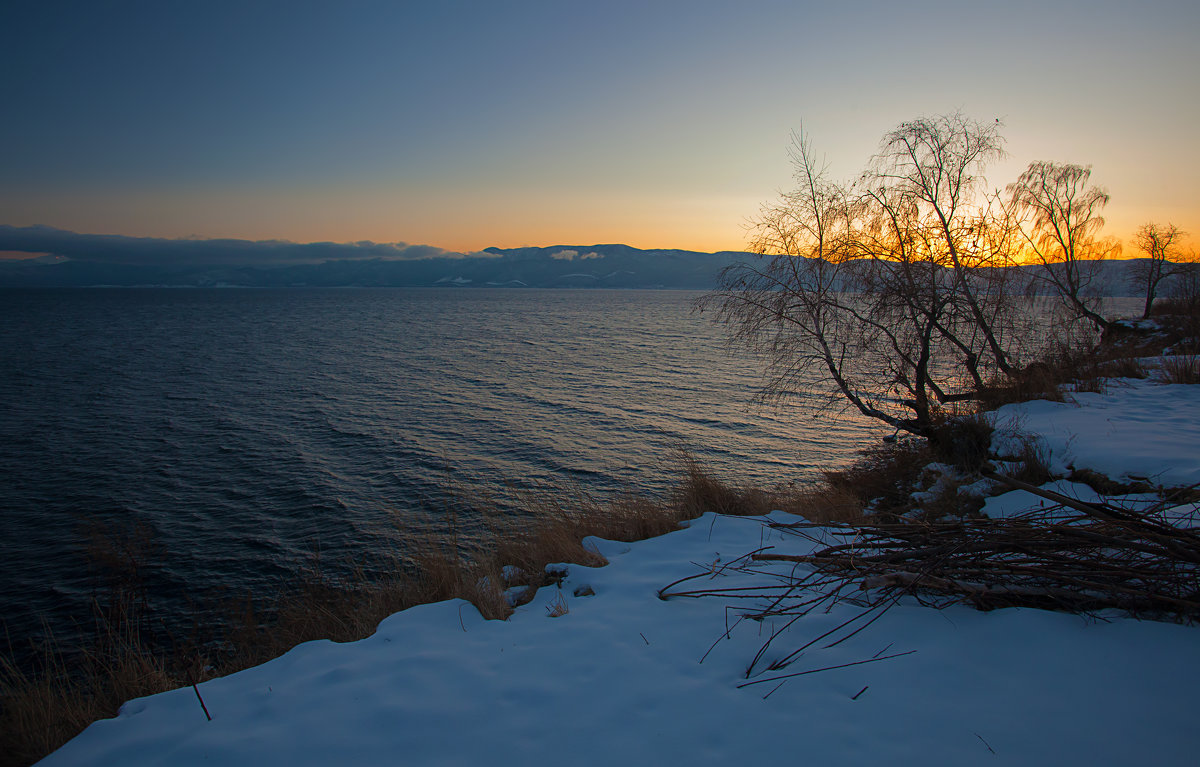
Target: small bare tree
x=1059, y=217
x=1161, y=246
x=1184, y=290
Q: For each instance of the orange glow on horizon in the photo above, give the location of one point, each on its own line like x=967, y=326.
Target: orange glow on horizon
x=473, y=222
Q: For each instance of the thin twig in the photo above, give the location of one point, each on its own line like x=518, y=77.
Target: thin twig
x=197, y=691
x=826, y=668
x=989, y=747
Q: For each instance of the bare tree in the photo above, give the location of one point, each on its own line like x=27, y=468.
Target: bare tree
x=1184, y=290
x=880, y=290
x=1059, y=218
x=1161, y=245
x=930, y=172
x=790, y=304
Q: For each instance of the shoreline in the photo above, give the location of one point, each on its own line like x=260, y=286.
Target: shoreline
x=499, y=591
x=597, y=666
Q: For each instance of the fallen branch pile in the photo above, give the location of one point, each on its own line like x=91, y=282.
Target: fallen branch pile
x=1069, y=555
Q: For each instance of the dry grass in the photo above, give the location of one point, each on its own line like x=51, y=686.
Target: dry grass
x=1039, y=380
x=701, y=492
x=346, y=609
x=72, y=687
x=1122, y=367
x=557, y=607
x=40, y=710
x=44, y=708
x=1087, y=370
x=1033, y=464
x=885, y=476
x=75, y=686
x=824, y=504
x=1180, y=369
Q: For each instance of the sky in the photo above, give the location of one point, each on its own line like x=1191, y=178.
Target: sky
x=464, y=125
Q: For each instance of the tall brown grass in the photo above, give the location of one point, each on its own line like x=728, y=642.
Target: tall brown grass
x=43, y=708
x=1180, y=369
x=73, y=686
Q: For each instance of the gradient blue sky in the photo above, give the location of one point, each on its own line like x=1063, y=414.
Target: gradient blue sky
x=470, y=124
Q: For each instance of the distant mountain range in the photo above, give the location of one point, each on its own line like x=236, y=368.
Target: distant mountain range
x=59, y=258
x=608, y=266
x=65, y=259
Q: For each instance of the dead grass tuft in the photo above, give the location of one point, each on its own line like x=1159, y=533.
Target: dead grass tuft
x=1039, y=380
x=1180, y=369
x=1086, y=370
x=963, y=442
x=885, y=475
x=700, y=492
x=1123, y=367
x=1033, y=463
x=823, y=503
x=40, y=710
x=557, y=607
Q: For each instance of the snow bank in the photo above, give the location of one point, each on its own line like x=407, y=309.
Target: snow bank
x=1138, y=430
x=619, y=679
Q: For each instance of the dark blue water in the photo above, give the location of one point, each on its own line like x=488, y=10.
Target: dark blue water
x=246, y=429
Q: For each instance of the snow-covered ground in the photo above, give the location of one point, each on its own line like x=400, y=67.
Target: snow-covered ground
x=626, y=678
x=1138, y=429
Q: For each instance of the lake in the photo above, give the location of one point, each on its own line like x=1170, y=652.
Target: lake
x=247, y=429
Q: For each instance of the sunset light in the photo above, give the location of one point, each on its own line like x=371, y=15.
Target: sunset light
x=475, y=125
x=599, y=382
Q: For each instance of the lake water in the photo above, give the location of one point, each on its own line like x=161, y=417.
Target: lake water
x=246, y=429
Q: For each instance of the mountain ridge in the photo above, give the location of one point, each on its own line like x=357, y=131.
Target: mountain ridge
x=60, y=258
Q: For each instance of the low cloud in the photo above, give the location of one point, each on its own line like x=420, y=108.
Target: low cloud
x=154, y=251
x=571, y=255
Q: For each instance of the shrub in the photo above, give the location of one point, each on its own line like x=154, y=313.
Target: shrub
x=1123, y=367
x=885, y=475
x=1183, y=294
x=1039, y=380
x=963, y=442
x=1086, y=370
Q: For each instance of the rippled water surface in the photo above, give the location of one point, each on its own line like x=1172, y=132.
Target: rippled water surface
x=248, y=428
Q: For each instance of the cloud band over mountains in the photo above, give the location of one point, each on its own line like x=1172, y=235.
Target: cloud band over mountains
x=162, y=252
x=47, y=257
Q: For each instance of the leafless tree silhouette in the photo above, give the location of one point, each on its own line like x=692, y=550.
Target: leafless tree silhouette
x=1058, y=216
x=888, y=291
x=1161, y=246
